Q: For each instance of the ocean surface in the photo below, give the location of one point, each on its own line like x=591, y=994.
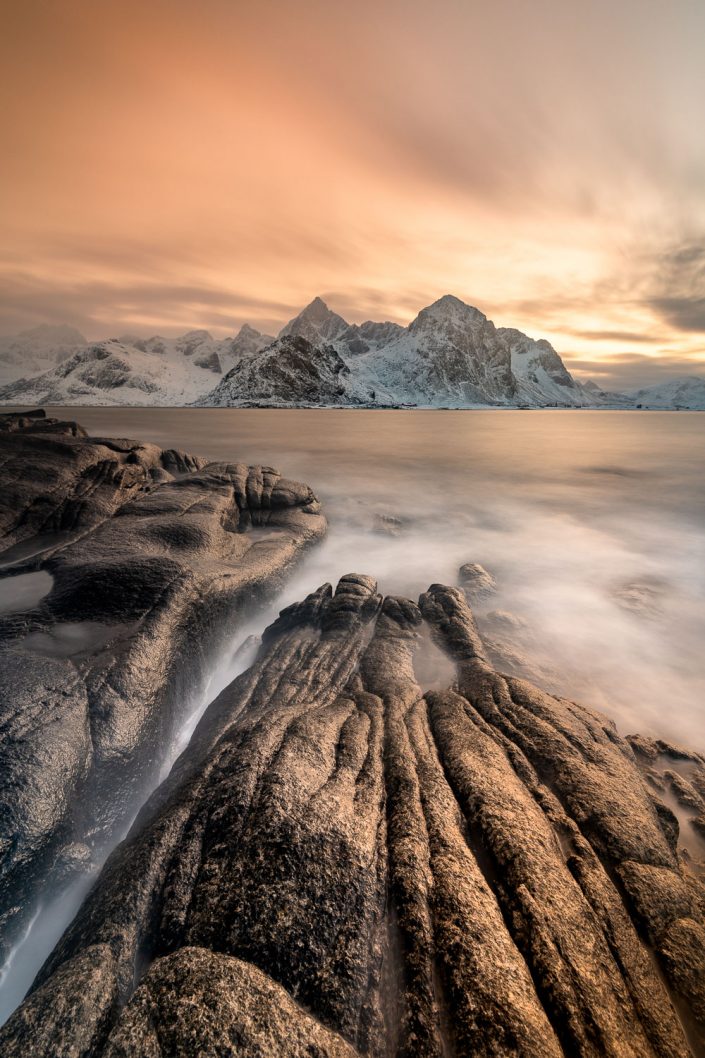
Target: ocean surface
x=592, y=523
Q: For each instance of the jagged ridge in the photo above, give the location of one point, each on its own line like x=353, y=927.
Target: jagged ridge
x=481, y=870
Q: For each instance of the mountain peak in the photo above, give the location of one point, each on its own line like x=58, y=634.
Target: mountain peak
x=316, y=323
x=447, y=309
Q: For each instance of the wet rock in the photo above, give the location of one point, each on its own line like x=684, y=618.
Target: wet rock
x=56, y=480
x=388, y=524
x=97, y=675
x=478, y=870
x=513, y=648
x=644, y=597
x=476, y=582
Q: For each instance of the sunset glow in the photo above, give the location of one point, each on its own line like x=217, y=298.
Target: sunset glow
x=168, y=167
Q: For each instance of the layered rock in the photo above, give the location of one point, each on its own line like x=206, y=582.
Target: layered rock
x=150, y=556
x=292, y=371
x=477, y=870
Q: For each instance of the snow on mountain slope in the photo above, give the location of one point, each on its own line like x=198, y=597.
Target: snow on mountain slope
x=319, y=325
x=37, y=350
x=112, y=372
x=316, y=323
x=247, y=342
x=681, y=393
x=293, y=372
x=451, y=355
x=540, y=374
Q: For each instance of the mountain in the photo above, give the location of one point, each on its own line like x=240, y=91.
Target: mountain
x=293, y=372
x=113, y=372
x=316, y=323
x=539, y=372
x=450, y=355
x=57, y=365
x=247, y=342
x=37, y=350
x=686, y=393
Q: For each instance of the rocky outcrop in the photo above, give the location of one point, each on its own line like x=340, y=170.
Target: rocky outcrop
x=343, y=864
x=57, y=483
x=292, y=371
x=476, y=581
x=150, y=556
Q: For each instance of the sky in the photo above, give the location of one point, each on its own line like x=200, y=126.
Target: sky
x=204, y=163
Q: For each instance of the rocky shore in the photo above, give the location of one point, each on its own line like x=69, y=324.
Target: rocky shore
x=123, y=570
x=376, y=844
x=346, y=862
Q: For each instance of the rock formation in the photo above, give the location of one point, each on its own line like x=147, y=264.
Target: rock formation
x=150, y=556
x=343, y=864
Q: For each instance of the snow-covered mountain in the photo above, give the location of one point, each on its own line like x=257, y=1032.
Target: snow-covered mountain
x=37, y=350
x=291, y=371
x=681, y=393
x=125, y=370
x=450, y=356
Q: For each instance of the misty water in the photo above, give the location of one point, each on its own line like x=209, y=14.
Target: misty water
x=592, y=523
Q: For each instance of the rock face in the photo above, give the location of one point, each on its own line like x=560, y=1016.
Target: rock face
x=149, y=556
x=291, y=371
x=342, y=864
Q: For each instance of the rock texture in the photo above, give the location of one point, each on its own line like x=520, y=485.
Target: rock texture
x=150, y=556
x=291, y=371
x=343, y=864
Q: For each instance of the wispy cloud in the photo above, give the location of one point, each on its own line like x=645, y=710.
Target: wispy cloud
x=168, y=165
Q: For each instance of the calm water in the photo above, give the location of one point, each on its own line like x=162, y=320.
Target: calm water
x=593, y=524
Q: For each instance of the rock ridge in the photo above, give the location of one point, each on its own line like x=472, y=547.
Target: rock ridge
x=151, y=558
x=343, y=864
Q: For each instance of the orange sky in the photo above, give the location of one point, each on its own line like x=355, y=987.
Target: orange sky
x=171, y=164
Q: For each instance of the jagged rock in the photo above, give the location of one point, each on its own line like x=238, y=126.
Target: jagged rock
x=210, y=361
x=476, y=582
x=96, y=675
x=56, y=480
x=478, y=870
x=290, y=371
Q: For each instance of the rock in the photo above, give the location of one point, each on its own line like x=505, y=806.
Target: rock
x=476, y=582
x=209, y=361
x=514, y=649
x=342, y=864
x=147, y=580
x=289, y=372
x=56, y=480
x=388, y=524
x=642, y=597
x=227, y=1006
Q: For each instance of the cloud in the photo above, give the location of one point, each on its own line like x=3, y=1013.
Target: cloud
x=629, y=371
x=464, y=148
x=676, y=285
x=97, y=308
